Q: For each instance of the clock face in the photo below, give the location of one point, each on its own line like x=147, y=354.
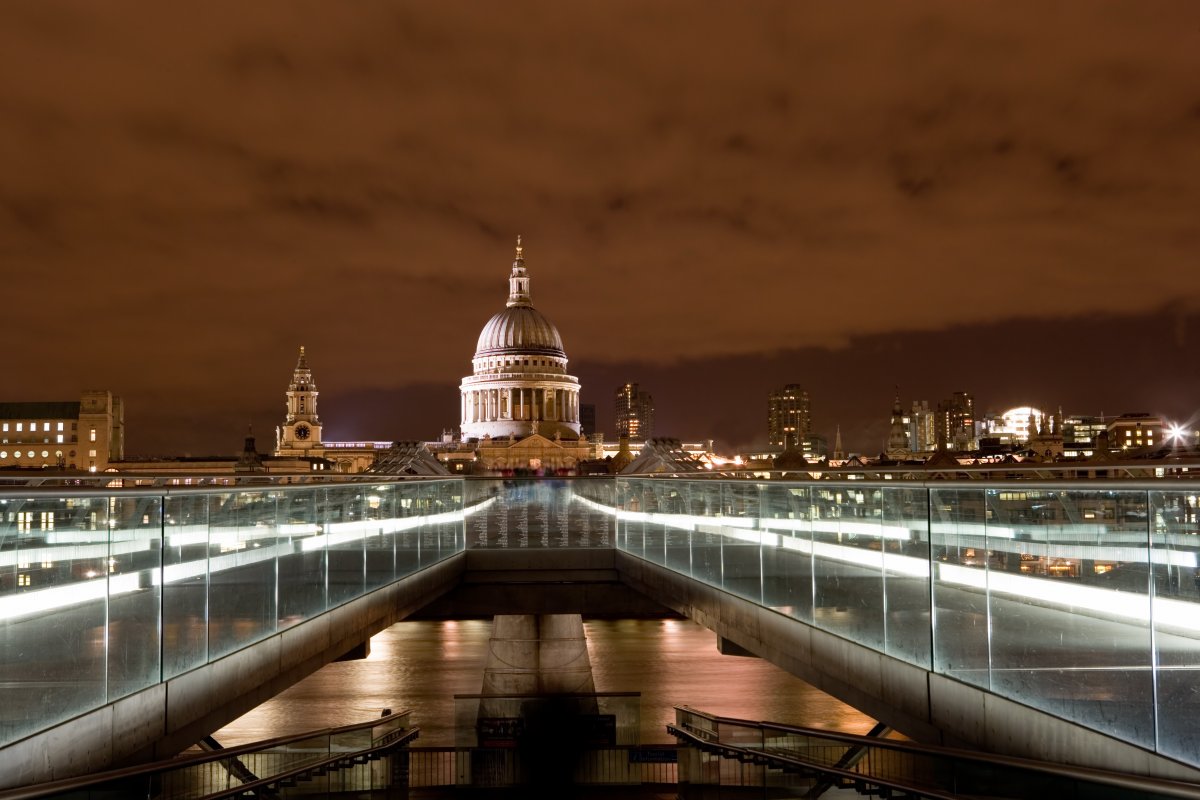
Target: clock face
x=301, y=432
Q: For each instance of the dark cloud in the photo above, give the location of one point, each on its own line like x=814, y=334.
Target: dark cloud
x=698, y=186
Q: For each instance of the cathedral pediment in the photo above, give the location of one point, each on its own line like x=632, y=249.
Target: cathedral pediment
x=535, y=441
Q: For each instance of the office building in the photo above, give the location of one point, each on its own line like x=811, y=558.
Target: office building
x=635, y=413
x=789, y=419
x=85, y=434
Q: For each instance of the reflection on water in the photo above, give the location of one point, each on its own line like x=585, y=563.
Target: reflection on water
x=422, y=665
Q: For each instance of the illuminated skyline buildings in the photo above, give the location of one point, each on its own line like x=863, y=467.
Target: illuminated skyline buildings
x=956, y=423
x=789, y=416
x=634, y=412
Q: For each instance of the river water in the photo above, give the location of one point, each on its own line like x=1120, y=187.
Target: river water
x=421, y=665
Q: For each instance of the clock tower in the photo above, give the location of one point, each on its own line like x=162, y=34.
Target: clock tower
x=302, y=429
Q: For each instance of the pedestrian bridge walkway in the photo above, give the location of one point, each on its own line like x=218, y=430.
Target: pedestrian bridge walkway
x=1004, y=615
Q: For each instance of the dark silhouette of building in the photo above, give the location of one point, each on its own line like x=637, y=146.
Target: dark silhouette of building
x=789, y=419
x=635, y=412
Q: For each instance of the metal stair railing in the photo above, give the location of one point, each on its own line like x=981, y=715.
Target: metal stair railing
x=908, y=768
x=281, y=761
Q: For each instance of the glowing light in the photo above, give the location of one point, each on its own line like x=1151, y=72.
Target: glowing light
x=1176, y=433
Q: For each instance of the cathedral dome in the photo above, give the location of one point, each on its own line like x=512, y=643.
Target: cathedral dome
x=519, y=330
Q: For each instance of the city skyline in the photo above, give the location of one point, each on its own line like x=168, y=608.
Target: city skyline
x=947, y=198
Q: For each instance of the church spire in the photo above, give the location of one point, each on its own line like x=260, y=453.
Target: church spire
x=518, y=282
x=302, y=376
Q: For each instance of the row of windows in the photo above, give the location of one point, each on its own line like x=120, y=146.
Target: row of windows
x=59, y=439
x=518, y=362
x=33, y=426
x=45, y=454
x=33, y=454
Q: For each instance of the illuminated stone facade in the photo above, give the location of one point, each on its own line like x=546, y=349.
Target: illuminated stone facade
x=79, y=435
x=519, y=404
x=300, y=434
x=520, y=384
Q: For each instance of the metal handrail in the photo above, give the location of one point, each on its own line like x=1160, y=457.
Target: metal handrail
x=1168, y=788
x=782, y=761
x=9, y=490
x=282, y=777
x=50, y=788
x=1024, y=484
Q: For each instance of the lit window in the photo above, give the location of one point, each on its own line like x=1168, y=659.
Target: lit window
x=16, y=454
x=23, y=579
x=45, y=454
x=20, y=426
x=60, y=439
x=92, y=437
x=91, y=453
x=3, y=454
x=5, y=427
x=30, y=454
x=60, y=426
x=45, y=427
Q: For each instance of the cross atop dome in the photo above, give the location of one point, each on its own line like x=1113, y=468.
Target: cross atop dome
x=518, y=282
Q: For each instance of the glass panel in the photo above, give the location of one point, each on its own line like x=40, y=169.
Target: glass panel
x=346, y=528
x=302, y=565
x=633, y=522
x=960, y=609
x=707, y=540
x=1175, y=554
x=241, y=570
x=185, y=583
x=741, y=562
x=787, y=550
x=53, y=591
x=408, y=533
x=423, y=505
x=379, y=541
x=906, y=574
x=135, y=537
x=848, y=563
x=677, y=536
x=1070, y=626
x=448, y=508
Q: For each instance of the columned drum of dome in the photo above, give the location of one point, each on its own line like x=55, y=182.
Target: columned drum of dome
x=519, y=386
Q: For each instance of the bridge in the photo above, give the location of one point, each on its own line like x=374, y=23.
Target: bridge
x=1054, y=619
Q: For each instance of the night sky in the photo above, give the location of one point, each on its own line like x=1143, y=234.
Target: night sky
x=716, y=199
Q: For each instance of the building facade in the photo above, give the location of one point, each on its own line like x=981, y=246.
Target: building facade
x=519, y=384
x=789, y=417
x=956, y=422
x=86, y=434
x=1134, y=431
x=300, y=435
x=634, y=413
x=519, y=408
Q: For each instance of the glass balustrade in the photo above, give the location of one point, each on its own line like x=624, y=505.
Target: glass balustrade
x=105, y=594
x=1076, y=599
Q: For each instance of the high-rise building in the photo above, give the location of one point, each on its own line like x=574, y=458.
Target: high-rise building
x=789, y=419
x=635, y=412
x=956, y=422
x=922, y=427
